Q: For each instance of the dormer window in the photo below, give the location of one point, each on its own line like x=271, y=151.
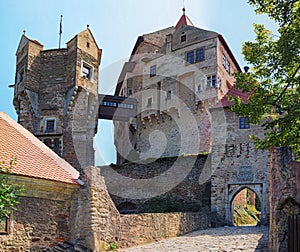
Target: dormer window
x=50, y=125
x=183, y=38
x=86, y=71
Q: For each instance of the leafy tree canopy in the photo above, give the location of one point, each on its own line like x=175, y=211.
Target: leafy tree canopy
x=9, y=193
x=274, y=77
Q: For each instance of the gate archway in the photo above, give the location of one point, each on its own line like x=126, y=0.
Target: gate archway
x=234, y=189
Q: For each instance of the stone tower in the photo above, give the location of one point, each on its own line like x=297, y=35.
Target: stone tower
x=56, y=95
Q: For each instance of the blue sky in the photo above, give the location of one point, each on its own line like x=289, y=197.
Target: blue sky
x=116, y=24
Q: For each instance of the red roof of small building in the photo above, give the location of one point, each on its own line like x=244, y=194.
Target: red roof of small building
x=34, y=159
x=234, y=93
x=184, y=20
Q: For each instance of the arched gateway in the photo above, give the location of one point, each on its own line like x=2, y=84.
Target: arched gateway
x=236, y=163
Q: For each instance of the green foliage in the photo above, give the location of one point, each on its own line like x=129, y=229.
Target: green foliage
x=113, y=246
x=9, y=193
x=274, y=79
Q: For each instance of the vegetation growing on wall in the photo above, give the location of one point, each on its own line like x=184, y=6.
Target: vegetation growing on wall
x=9, y=193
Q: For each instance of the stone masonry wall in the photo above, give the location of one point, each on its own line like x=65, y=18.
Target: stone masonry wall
x=96, y=222
x=236, y=164
x=190, y=193
x=143, y=228
x=284, y=188
x=38, y=224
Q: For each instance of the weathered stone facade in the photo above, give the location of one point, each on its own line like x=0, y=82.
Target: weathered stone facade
x=56, y=95
x=96, y=221
x=42, y=218
x=284, y=197
x=173, y=89
x=180, y=190
x=236, y=164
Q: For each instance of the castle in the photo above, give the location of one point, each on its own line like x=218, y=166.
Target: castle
x=176, y=81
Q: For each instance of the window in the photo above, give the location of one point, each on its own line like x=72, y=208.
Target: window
x=87, y=44
x=5, y=226
x=190, y=57
x=226, y=63
x=212, y=81
x=199, y=55
x=50, y=125
x=183, y=38
x=198, y=88
x=169, y=95
x=129, y=91
x=195, y=56
x=149, y=103
x=86, y=71
x=153, y=71
x=244, y=123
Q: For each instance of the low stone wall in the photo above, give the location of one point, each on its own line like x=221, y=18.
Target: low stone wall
x=96, y=221
x=143, y=228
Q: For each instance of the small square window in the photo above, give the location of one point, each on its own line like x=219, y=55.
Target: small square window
x=244, y=123
x=212, y=81
x=199, y=55
x=190, y=58
x=183, y=38
x=50, y=125
x=153, y=71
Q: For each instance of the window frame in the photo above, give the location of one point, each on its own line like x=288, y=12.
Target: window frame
x=46, y=124
x=212, y=81
x=6, y=229
x=190, y=57
x=202, y=57
x=183, y=38
x=244, y=122
x=149, y=104
x=152, y=71
x=89, y=67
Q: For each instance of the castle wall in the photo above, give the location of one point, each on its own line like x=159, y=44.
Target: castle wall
x=236, y=164
x=284, y=197
x=42, y=218
x=186, y=186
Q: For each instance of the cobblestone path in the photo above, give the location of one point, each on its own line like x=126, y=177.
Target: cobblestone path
x=214, y=239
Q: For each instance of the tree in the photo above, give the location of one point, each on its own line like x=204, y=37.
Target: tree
x=274, y=79
x=9, y=193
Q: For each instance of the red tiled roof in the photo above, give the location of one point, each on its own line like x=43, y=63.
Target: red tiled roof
x=184, y=20
x=34, y=159
x=234, y=93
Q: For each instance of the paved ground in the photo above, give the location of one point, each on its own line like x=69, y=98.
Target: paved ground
x=213, y=239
